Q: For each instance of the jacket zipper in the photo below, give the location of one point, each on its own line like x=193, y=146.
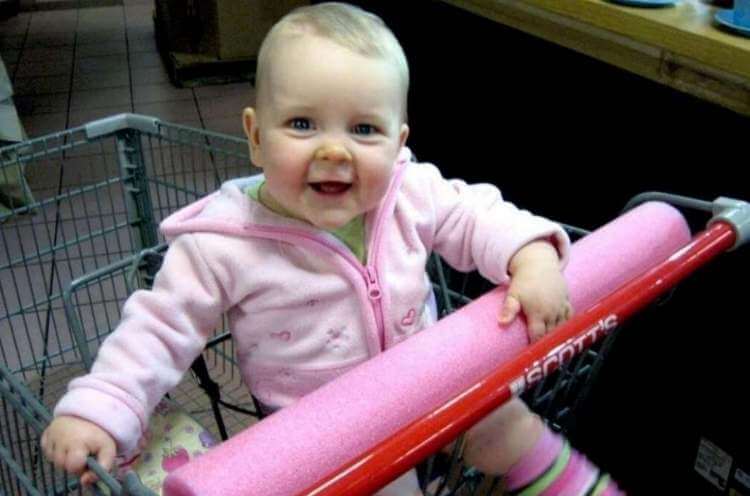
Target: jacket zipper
x=368, y=272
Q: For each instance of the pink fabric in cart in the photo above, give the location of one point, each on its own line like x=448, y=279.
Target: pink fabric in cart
x=297, y=446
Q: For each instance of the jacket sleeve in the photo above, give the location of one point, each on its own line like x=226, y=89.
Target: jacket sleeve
x=476, y=229
x=161, y=332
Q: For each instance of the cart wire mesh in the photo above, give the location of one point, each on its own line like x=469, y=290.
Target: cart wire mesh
x=95, y=196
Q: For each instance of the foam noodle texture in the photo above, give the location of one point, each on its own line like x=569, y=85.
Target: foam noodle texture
x=297, y=446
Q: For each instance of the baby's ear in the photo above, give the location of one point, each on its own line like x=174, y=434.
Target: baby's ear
x=403, y=134
x=250, y=123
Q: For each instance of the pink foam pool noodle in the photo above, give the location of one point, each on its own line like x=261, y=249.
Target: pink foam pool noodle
x=295, y=447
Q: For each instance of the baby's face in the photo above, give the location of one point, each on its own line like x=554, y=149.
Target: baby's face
x=327, y=130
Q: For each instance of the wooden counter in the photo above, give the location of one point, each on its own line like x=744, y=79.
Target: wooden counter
x=679, y=46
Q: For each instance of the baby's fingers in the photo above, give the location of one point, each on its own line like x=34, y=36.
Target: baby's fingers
x=75, y=460
x=46, y=446
x=565, y=315
x=106, y=455
x=509, y=310
x=536, y=327
x=88, y=478
x=562, y=316
x=59, y=456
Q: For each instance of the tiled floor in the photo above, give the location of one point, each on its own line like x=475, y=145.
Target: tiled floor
x=73, y=66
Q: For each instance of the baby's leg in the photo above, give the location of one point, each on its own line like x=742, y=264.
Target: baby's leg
x=514, y=442
x=498, y=441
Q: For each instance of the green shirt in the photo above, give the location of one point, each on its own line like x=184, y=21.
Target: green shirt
x=351, y=234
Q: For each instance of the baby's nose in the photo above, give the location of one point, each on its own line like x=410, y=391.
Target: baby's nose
x=333, y=153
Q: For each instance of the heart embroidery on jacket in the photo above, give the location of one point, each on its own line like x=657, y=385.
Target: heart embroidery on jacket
x=338, y=341
x=283, y=335
x=409, y=317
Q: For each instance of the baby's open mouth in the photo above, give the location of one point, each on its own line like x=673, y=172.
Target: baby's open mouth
x=330, y=187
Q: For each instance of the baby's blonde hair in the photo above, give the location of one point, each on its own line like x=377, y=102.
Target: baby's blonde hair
x=351, y=27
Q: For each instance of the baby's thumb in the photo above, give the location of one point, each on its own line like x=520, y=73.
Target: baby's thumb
x=509, y=311
x=106, y=455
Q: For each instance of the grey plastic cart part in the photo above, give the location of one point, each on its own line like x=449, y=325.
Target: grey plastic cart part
x=110, y=125
x=737, y=214
x=672, y=199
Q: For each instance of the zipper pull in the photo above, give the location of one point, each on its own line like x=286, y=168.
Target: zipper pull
x=373, y=289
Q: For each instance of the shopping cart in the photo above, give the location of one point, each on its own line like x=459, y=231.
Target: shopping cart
x=99, y=192
x=72, y=255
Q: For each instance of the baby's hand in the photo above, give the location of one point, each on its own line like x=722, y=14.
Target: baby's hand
x=538, y=288
x=68, y=441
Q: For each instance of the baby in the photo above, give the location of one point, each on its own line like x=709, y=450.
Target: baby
x=319, y=263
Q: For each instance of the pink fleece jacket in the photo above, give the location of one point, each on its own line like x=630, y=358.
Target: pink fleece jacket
x=302, y=309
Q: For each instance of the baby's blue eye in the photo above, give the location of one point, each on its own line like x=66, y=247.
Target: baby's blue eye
x=300, y=123
x=364, y=129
